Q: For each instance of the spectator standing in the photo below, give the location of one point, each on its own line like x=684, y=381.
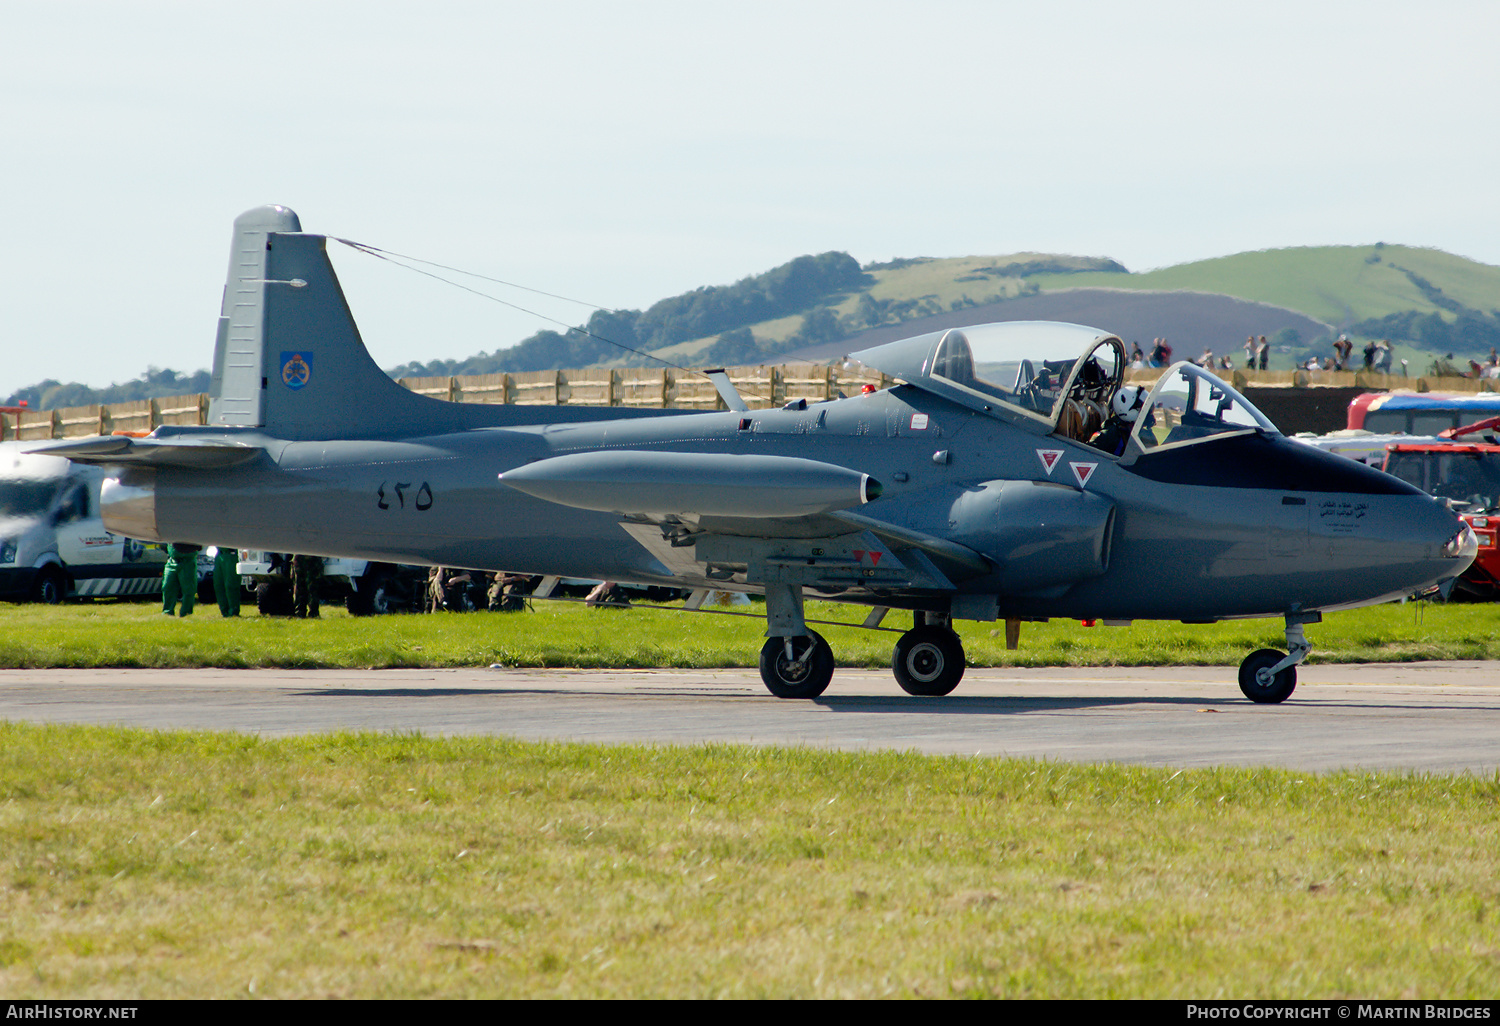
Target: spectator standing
x=1262, y=352
x=1383, y=355
x=1342, y=350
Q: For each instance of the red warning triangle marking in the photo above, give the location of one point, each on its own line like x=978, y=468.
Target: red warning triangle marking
x=874, y=558
x=1049, y=458
x=859, y=555
x=1083, y=471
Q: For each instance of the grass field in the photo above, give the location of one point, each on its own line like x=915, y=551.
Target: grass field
x=161, y=865
x=567, y=634
x=141, y=864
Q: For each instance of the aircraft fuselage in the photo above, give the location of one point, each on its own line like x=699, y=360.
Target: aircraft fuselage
x=1251, y=538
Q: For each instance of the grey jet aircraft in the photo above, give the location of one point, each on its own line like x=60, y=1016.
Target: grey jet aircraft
x=1012, y=474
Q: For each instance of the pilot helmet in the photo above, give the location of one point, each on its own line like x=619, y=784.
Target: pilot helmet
x=1127, y=402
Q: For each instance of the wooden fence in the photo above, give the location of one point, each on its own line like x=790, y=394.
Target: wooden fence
x=762, y=387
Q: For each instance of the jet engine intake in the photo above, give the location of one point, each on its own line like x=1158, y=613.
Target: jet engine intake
x=1040, y=535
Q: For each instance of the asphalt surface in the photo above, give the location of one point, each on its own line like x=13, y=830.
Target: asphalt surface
x=1440, y=716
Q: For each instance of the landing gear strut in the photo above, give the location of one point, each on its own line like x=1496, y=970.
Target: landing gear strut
x=796, y=667
x=794, y=662
x=929, y=658
x=1268, y=676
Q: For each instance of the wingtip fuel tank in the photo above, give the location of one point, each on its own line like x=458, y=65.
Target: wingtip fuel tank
x=694, y=484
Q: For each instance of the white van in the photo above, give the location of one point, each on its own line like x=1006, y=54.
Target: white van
x=365, y=588
x=53, y=544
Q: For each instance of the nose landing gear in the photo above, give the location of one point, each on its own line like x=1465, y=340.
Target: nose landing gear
x=1267, y=676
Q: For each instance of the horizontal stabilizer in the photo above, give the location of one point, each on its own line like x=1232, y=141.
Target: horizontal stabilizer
x=693, y=484
x=147, y=452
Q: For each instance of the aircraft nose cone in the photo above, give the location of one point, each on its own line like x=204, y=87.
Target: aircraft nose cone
x=1463, y=547
x=1397, y=545
x=1449, y=544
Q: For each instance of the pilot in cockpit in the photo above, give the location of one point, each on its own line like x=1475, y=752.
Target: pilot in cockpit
x=1125, y=409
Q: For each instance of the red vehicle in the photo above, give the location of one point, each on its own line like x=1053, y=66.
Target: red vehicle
x=1467, y=476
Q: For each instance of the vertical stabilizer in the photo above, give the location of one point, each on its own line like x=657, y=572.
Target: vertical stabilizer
x=236, y=397
x=289, y=358
x=290, y=361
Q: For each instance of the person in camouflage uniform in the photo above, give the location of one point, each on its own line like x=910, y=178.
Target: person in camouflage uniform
x=306, y=572
x=179, y=579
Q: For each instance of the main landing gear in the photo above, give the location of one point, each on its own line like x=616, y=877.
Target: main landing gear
x=1268, y=676
x=796, y=662
x=796, y=667
x=929, y=658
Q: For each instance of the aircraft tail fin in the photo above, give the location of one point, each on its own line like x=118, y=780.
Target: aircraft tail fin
x=289, y=358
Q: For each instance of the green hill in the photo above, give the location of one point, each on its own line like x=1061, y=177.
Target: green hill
x=1341, y=285
x=1431, y=300
x=1427, y=301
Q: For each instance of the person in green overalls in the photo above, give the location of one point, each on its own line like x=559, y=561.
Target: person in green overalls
x=227, y=581
x=179, y=578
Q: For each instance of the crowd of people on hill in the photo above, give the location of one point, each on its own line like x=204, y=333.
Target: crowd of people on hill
x=1377, y=356
x=1257, y=353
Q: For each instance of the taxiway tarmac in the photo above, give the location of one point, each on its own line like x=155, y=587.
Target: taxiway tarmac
x=1439, y=716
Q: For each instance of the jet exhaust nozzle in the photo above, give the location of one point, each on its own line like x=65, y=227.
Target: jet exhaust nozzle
x=127, y=502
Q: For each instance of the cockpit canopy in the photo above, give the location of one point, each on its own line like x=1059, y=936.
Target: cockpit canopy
x=1065, y=375
x=1189, y=404
x=1023, y=364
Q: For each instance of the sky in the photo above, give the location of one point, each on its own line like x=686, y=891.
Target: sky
x=620, y=153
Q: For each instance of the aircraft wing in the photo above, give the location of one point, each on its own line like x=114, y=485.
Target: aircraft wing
x=750, y=518
x=946, y=552
x=119, y=450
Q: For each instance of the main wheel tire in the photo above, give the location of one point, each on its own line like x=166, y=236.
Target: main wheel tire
x=273, y=599
x=809, y=678
x=51, y=586
x=371, y=596
x=1266, y=692
x=928, y=661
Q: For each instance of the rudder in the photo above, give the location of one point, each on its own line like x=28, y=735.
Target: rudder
x=289, y=358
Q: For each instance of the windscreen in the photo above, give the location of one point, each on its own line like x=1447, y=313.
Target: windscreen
x=1189, y=404
x=1470, y=479
x=27, y=497
x=1026, y=365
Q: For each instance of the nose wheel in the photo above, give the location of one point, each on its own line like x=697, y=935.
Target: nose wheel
x=1267, y=676
x=928, y=661
x=796, y=667
x=1261, y=682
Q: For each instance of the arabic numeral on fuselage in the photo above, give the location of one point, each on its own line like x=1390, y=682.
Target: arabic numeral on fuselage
x=422, y=501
